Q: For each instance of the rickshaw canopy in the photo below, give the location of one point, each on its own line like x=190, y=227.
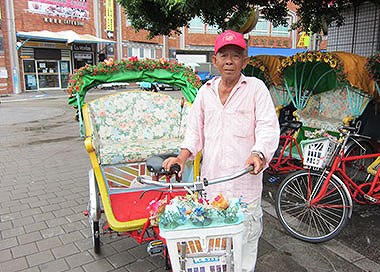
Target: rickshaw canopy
x=132, y=70
x=323, y=71
x=273, y=63
x=257, y=68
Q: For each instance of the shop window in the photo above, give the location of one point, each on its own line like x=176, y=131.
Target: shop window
x=48, y=74
x=129, y=52
x=30, y=82
x=212, y=29
x=82, y=58
x=196, y=25
x=261, y=28
x=30, y=78
x=281, y=30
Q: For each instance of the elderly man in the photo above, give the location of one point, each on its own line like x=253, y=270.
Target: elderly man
x=234, y=122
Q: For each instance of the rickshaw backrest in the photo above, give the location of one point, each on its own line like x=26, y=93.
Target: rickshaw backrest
x=133, y=125
x=325, y=110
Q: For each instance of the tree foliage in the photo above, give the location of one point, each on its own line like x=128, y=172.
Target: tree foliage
x=165, y=17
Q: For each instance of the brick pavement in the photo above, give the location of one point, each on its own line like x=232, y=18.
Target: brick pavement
x=43, y=192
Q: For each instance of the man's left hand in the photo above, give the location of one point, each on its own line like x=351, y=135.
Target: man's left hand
x=257, y=162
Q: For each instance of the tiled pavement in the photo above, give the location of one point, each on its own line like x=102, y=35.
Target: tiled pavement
x=43, y=192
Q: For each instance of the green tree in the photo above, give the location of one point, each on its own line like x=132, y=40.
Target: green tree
x=164, y=17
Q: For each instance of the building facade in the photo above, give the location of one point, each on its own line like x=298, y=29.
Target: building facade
x=43, y=41
x=360, y=33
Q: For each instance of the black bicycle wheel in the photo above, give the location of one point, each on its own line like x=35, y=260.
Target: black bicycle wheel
x=357, y=169
x=96, y=236
x=312, y=223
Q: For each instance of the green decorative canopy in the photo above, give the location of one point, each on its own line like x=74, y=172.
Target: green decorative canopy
x=132, y=70
x=258, y=69
x=308, y=73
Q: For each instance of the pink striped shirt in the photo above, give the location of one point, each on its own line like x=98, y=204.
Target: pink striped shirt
x=227, y=134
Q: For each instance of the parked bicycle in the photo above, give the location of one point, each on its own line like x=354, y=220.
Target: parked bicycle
x=315, y=204
x=288, y=156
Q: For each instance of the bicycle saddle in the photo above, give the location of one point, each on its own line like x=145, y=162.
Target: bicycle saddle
x=154, y=164
x=292, y=124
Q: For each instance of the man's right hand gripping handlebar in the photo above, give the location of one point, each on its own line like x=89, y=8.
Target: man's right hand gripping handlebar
x=180, y=160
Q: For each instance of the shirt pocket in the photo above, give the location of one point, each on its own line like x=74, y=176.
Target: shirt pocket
x=241, y=123
x=211, y=122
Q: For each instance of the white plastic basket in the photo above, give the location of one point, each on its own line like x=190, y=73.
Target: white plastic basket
x=317, y=152
x=209, y=249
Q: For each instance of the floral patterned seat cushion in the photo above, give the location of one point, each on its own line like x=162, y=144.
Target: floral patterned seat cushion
x=131, y=126
x=326, y=110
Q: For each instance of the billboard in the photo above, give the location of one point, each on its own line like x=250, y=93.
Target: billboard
x=74, y=9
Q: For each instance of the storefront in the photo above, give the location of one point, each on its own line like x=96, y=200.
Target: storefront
x=47, y=59
x=45, y=68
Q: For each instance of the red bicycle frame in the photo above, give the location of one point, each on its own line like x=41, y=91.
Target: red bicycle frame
x=339, y=166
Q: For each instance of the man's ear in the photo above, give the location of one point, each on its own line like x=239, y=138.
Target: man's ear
x=245, y=62
x=213, y=59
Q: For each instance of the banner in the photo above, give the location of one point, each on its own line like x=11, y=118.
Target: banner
x=110, y=18
x=304, y=40
x=77, y=9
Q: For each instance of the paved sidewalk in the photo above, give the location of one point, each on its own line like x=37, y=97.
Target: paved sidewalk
x=43, y=192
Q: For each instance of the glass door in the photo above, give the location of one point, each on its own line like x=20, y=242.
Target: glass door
x=48, y=74
x=30, y=78
x=65, y=72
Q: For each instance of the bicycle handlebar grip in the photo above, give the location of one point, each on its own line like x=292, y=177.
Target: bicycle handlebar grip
x=342, y=128
x=175, y=168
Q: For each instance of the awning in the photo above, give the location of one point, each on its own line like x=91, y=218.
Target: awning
x=254, y=51
x=61, y=36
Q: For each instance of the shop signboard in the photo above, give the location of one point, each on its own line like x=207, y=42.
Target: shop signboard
x=78, y=9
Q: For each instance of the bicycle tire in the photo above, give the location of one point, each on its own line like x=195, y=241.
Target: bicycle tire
x=317, y=223
x=95, y=236
x=357, y=170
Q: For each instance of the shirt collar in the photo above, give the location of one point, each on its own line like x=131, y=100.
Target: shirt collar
x=214, y=82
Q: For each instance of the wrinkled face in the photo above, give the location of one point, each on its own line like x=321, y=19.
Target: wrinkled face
x=230, y=60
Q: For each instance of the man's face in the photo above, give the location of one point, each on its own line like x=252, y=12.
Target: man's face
x=230, y=60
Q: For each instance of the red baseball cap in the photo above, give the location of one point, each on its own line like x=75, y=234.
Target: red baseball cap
x=229, y=37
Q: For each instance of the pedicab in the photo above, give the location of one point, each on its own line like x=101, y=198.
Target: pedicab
x=328, y=90
x=266, y=68
x=370, y=118
x=127, y=135
x=123, y=129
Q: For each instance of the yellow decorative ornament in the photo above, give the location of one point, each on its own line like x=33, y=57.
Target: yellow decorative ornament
x=333, y=63
x=251, y=21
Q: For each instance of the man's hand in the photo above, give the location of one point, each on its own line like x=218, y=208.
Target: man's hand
x=257, y=162
x=180, y=160
x=169, y=162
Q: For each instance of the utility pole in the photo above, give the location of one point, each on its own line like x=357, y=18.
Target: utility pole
x=12, y=46
x=119, y=34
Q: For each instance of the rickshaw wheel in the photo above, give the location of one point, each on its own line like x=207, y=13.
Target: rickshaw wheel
x=95, y=236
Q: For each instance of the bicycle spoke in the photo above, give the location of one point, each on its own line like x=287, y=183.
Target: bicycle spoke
x=312, y=222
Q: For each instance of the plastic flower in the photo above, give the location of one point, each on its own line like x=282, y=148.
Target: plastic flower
x=156, y=209
x=130, y=64
x=330, y=59
x=220, y=202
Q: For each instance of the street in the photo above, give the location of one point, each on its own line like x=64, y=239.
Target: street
x=44, y=191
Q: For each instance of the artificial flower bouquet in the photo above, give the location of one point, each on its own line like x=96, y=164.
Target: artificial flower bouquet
x=191, y=209
x=320, y=133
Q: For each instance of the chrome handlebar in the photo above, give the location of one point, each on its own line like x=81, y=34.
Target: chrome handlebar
x=197, y=185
